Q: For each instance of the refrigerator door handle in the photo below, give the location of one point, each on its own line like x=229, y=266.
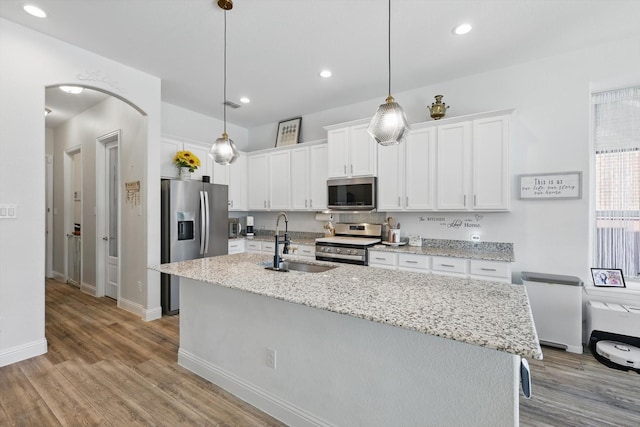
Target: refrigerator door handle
x=203, y=220
x=208, y=222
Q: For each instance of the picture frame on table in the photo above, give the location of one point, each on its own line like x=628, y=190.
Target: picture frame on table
x=608, y=277
x=288, y=132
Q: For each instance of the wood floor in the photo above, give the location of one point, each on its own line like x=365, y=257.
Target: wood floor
x=107, y=367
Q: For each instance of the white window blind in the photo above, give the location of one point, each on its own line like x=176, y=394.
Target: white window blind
x=617, y=180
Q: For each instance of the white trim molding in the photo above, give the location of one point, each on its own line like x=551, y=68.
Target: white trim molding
x=23, y=352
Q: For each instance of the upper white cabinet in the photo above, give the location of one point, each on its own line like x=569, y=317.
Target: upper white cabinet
x=351, y=150
x=309, y=178
x=406, y=173
x=269, y=180
x=473, y=164
x=235, y=176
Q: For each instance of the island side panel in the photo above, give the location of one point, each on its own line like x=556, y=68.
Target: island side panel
x=339, y=370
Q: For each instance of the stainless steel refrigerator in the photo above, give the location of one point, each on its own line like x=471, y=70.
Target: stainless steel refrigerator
x=194, y=225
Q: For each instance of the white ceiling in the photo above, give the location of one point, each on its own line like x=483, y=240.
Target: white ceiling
x=276, y=48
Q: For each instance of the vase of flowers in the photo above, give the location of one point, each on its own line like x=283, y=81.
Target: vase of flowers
x=187, y=163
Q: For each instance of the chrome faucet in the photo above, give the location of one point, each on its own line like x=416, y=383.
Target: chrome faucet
x=285, y=249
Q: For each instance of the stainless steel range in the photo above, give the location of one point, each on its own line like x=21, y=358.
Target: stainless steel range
x=350, y=243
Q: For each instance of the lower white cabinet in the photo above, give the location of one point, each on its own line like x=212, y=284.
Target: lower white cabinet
x=499, y=271
x=236, y=246
x=260, y=246
x=304, y=250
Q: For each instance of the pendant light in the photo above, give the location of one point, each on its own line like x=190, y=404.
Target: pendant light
x=224, y=151
x=389, y=126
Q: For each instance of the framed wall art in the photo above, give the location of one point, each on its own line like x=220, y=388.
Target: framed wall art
x=608, y=277
x=288, y=132
x=551, y=186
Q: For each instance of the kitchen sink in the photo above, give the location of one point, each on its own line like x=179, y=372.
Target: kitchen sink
x=301, y=266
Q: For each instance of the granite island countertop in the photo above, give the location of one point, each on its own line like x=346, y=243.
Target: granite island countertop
x=488, y=314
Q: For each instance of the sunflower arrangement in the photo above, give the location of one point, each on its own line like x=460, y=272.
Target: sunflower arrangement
x=186, y=159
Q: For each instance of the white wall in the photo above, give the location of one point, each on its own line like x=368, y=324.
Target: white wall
x=30, y=62
x=84, y=129
x=551, y=133
x=178, y=121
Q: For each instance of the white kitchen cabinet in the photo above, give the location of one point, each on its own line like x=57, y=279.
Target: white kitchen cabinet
x=237, y=181
x=351, y=150
x=236, y=246
x=258, y=182
x=490, y=270
x=454, y=166
x=414, y=262
x=491, y=179
x=269, y=181
x=473, y=165
x=386, y=260
x=253, y=246
x=206, y=163
x=309, y=178
x=457, y=267
x=168, y=149
x=406, y=173
x=308, y=251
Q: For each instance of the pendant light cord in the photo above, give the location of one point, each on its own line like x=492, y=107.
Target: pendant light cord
x=389, y=46
x=224, y=101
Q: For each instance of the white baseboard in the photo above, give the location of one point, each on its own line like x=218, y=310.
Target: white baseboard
x=152, y=314
x=59, y=277
x=135, y=308
x=267, y=402
x=23, y=352
x=88, y=288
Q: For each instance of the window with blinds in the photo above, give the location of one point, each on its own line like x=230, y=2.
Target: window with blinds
x=617, y=180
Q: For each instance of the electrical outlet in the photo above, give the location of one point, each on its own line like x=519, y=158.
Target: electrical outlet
x=271, y=358
x=475, y=238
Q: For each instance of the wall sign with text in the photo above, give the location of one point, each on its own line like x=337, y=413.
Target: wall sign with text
x=545, y=186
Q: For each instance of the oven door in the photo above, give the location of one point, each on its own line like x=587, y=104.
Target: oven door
x=348, y=254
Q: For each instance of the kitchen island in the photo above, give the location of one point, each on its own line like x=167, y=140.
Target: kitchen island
x=356, y=345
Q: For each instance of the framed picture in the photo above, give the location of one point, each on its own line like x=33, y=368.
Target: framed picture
x=551, y=186
x=288, y=132
x=608, y=277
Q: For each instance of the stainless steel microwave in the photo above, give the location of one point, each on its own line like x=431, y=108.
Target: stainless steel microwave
x=352, y=194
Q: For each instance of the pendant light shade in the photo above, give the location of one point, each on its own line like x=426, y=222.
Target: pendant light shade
x=224, y=151
x=389, y=126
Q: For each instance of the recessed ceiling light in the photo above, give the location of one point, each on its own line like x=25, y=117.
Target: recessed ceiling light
x=47, y=112
x=325, y=74
x=72, y=89
x=35, y=11
x=245, y=100
x=462, y=29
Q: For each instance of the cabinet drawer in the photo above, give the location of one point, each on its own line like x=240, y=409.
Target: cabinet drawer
x=491, y=268
x=453, y=265
x=268, y=246
x=384, y=258
x=308, y=251
x=236, y=247
x=253, y=246
x=413, y=261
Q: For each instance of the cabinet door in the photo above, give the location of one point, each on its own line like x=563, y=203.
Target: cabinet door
x=362, y=152
x=491, y=183
x=279, y=180
x=318, y=177
x=258, y=182
x=168, y=149
x=238, y=184
x=454, y=163
x=220, y=173
x=390, y=176
x=419, y=169
x=338, y=153
x=300, y=178
x=206, y=163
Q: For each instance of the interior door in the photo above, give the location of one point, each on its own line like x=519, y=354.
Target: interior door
x=111, y=220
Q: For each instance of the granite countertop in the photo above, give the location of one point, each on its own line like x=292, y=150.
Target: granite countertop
x=489, y=314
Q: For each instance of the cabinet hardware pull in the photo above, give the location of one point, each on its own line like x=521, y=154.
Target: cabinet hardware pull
x=488, y=269
x=406, y=202
x=305, y=203
x=352, y=169
x=345, y=169
x=381, y=259
x=447, y=265
x=265, y=203
x=411, y=262
x=398, y=201
x=465, y=200
x=475, y=200
x=310, y=203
